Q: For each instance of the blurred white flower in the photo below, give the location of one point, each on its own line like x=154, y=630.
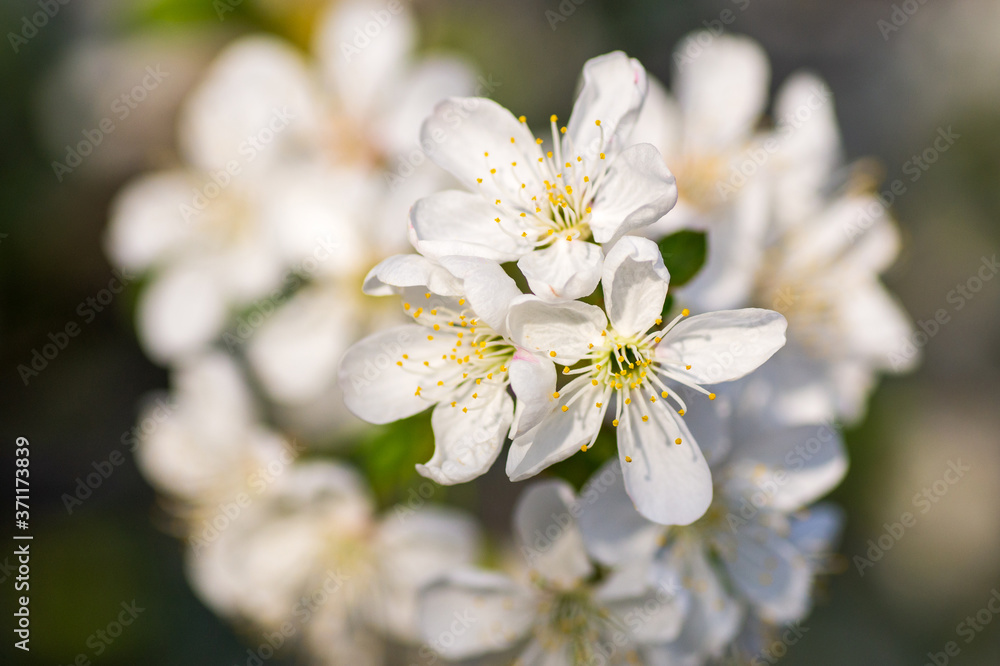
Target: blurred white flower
x=706, y=133
x=631, y=363
x=311, y=555
x=289, y=160
x=555, y=613
x=208, y=446
x=784, y=231
x=540, y=208
x=757, y=550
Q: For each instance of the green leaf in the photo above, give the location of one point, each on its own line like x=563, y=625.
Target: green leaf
x=684, y=254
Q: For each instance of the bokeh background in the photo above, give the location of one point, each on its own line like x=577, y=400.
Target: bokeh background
x=895, y=89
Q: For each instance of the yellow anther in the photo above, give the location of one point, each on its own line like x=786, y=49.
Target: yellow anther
x=628, y=459
x=465, y=409
x=497, y=220
x=687, y=367
x=430, y=337
x=598, y=405
x=479, y=180
x=549, y=154
x=475, y=395
x=565, y=408
x=592, y=381
x=461, y=301
x=437, y=327
x=586, y=179
x=615, y=423
x=427, y=295
x=677, y=441
x=628, y=401
x=440, y=383
x=711, y=396
x=597, y=122
x=681, y=412
x=663, y=394
x=399, y=363
x=524, y=234
x=522, y=119
x=486, y=154
x=652, y=398
x=553, y=117
x=406, y=306
x=583, y=448
x=552, y=354
x=524, y=215
x=538, y=141
x=406, y=356
x=659, y=320
x=645, y=418
x=479, y=380
x=493, y=170
x=562, y=130
x=569, y=238
x=555, y=395
x=453, y=404
x=566, y=370
x=685, y=312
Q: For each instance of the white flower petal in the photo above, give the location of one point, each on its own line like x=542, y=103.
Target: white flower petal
x=399, y=271
x=378, y=390
x=146, y=222
x=669, y=483
x=612, y=528
x=461, y=131
x=564, y=271
x=257, y=88
x=461, y=223
x=722, y=346
x=637, y=191
x=568, y=329
x=533, y=379
x=614, y=87
x=558, y=436
x=363, y=49
x=488, y=289
x=180, y=312
x=771, y=573
x=653, y=614
x=722, y=88
x=426, y=83
x=414, y=548
x=660, y=122
x=295, y=352
x=635, y=284
x=800, y=464
x=545, y=524
x=816, y=530
x=492, y=609
x=467, y=443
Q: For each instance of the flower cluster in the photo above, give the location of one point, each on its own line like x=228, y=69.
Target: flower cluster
x=674, y=289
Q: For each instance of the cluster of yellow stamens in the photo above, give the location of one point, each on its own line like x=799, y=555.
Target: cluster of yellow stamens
x=555, y=192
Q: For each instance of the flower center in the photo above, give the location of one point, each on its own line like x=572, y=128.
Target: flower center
x=551, y=196
x=470, y=353
x=572, y=623
x=628, y=369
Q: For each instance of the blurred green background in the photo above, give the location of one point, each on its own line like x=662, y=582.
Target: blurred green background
x=893, y=91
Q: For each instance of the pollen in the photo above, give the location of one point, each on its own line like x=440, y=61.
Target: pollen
x=685, y=312
x=677, y=441
x=663, y=394
x=493, y=170
x=652, y=398
x=553, y=118
x=538, y=141
x=628, y=459
x=465, y=410
x=711, y=396
x=583, y=448
x=687, y=367
x=645, y=418
x=615, y=423
x=565, y=408
x=681, y=412
x=399, y=363
x=522, y=119
x=602, y=156
x=592, y=381
x=430, y=337
x=555, y=395
x=598, y=404
x=597, y=122
x=552, y=354
x=406, y=306
x=479, y=180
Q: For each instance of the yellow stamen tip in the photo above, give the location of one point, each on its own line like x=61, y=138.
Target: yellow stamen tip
x=565, y=408
x=711, y=396
x=628, y=459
